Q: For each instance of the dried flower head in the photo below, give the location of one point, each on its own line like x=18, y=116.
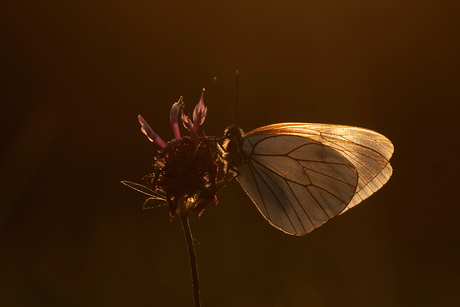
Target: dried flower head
x=186, y=167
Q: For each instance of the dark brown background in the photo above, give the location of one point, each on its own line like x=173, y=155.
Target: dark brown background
x=74, y=76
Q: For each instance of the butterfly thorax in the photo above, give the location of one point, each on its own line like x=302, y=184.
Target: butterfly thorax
x=232, y=153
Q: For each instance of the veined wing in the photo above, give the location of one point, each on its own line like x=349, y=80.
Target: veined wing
x=301, y=175
x=367, y=150
x=297, y=183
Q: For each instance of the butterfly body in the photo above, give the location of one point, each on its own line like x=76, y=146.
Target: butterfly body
x=301, y=175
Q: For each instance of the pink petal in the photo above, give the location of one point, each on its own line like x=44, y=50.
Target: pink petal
x=199, y=114
x=186, y=121
x=153, y=137
x=174, y=115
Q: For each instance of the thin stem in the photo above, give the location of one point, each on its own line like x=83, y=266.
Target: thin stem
x=192, y=256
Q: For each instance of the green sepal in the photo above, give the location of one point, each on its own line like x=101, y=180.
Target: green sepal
x=143, y=189
x=153, y=202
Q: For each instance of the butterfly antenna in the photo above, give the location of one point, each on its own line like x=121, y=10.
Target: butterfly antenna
x=225, y=99
x=236, y=102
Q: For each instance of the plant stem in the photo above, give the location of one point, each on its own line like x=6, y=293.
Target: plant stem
x=192, y=256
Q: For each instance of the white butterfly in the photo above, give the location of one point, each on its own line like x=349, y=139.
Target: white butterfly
x=301, y=175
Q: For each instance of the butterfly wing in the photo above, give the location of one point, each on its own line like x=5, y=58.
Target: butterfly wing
x=369, y=151
x=301, y=175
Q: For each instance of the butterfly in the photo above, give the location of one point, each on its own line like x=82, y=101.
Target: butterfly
x=301, y=175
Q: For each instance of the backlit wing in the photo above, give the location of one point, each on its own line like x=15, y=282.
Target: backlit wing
x=301, y=175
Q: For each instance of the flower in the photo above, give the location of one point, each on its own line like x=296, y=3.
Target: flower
x=185, y=169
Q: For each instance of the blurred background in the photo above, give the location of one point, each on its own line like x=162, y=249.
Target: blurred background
x=75, y=75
